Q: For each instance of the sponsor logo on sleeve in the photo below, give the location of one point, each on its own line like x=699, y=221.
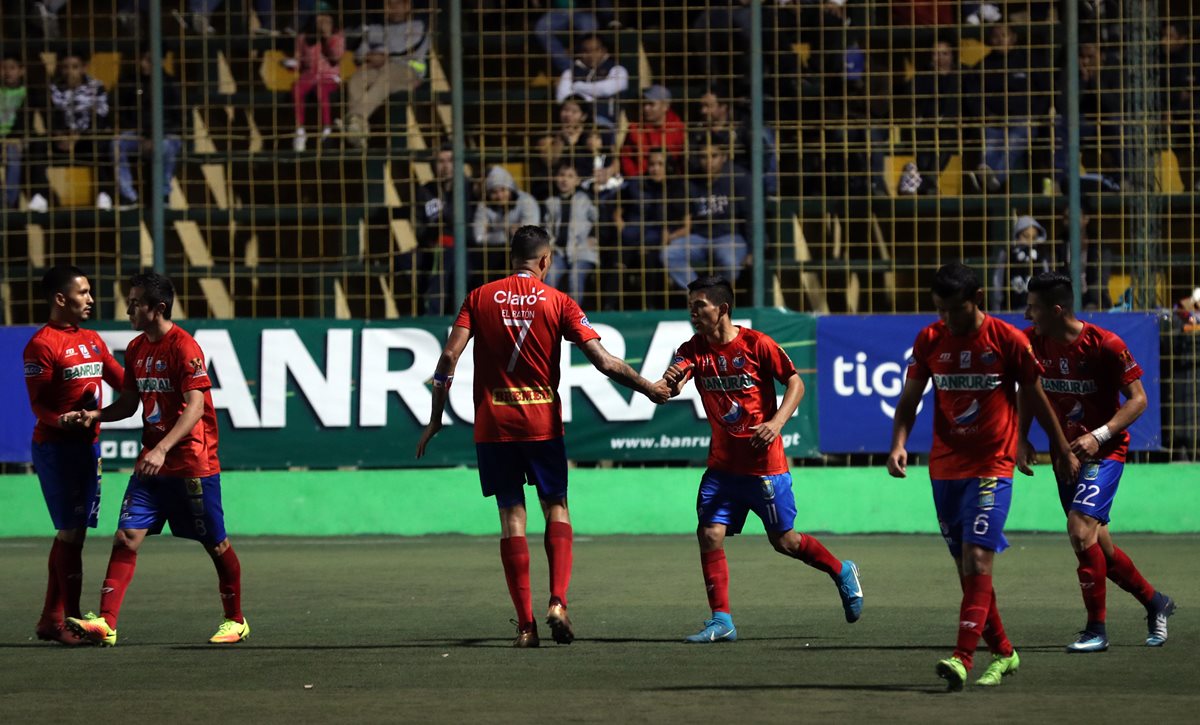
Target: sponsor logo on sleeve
x=32, y=369
x=197, y=365
x=1126, y=358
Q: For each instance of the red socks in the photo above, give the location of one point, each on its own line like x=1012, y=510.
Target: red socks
x=1092, y=571
x=52, y=609
x=1125, y=575
x=973, y=615
x=116, y=580
x=70, y=576
x=558, y=553
x=229, y=576
x=993, y=631
x=814, y=553
x=514, y=554
x=716, y=579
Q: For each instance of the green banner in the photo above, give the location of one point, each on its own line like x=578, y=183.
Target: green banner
x=329, y=394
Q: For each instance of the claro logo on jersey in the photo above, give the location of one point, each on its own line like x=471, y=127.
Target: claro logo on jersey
x=860, y=378
x=504, y=297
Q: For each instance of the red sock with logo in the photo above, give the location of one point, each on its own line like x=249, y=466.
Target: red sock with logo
x=229, y=577
x=1125, y=575
x=1092, y=571
x=514, y=554
x=972, y=615
x=814, y=553
x=993, y=631
x=116, y=580
x=52, y=609
x=558, y=553
x=716, y=579
x=70, y=576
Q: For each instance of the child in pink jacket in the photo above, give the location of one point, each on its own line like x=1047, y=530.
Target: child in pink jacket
x=318, y=54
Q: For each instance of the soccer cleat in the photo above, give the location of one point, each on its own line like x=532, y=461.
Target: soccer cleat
x=560, y=624
x=94, y=629
x=718, y=629
x=1000, y=668
x=1087, y=641
x=231, y=631
x=953, y=671
x=57, y=632
x=850, y=590
x=527, y=637
x=1156, y=623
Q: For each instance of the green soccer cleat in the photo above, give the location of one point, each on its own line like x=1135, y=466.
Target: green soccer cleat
x=92, y=628
x=231, y=632
x=954, y=672
x=1000, y=668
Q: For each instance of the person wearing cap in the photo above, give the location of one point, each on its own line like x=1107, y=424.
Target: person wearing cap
x=391, y=58
x=1016, y=265
x=658, y=129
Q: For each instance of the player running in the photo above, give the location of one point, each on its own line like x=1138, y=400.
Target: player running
x=64, y=365
x=975, y=362
x=1086, y=367
x=519, y=323
x=177, y=477
x=735, y=369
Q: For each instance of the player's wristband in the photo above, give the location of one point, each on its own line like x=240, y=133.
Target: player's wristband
x=1102, y=435
x=442, y=381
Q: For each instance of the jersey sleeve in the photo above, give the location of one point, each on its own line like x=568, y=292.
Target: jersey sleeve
x=1023, y=363
x=1119, y=361
x=464, y=312
x=685, y=356
x=193, y=374
x=114, y=374
x=779, y=362
x=575, y=325
x=918, y=365
x=39, y=373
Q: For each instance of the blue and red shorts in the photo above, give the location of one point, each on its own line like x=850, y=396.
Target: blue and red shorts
x=69, y=473
x=973, y=510
x=505, y=467
x=192, y=506
x=726, y=498
x=1093, y=492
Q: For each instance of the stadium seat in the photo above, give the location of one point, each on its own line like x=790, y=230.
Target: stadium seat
x=73, y=185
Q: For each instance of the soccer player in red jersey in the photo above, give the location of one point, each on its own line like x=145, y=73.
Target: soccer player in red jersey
x=735, y=369
x=976, y=363
x=64, y=365
x=1086, y=368
x=519, y=323
x=177, y=477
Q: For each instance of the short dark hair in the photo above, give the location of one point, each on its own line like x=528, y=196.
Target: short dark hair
x=955, y=280
x=14, y=56
x=716, y=288
x=593, y=35
x=58, y=278
x=158, y=289
x=584, y=106
x=529, y=242
x=1054, y=288
x=564, y=163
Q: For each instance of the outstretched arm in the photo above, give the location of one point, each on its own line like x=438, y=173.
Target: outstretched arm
x=443, y=376
x=620, y=371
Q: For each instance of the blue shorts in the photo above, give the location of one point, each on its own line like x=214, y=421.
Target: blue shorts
x=70, y=478
x=191, y=505
x=505, y=468
x=1093, y=493
x=725, y=498
x=973, y=510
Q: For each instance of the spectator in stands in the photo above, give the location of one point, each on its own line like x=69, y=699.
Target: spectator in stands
x=392, y=58
x=435, y=232
x=575, y=140
x=721, y=124
x=1100, y=116
x=718, y=222
x=719, y=42
x=652, y=214
x=1013, y=87
x=319, y=53
x=78, y=127
x=658, y=129
x=923, y=13
x=571, y=218
x=45, y=17
x=595, y=77
x=937, y=112
x=14, y=124
x=1016, y=264
x=563, y=18
x=135, y=109
x=202, y=11
x=504, y=210
x=1181, y=76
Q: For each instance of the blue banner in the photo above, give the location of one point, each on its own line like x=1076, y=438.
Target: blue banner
x=16, y=421
x=861, y=367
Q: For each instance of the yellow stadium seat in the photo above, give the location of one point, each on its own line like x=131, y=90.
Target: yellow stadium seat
x=893, y=167
x=804, y=50
x=73, y=185
x=274, y=76
x=517, y=169
x=971, y=52
x=950, y=179
x=106, y=68
x=347, y=67
x=1166, y=173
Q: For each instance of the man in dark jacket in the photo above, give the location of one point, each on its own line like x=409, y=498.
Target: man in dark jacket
x=435, y=230
x=135, y=108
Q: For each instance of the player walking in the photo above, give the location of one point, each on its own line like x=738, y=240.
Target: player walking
x=519, y=323
x=735, y=369
x=64, y=365
x=975, y=361
x=1086, y=367
x=177, y=478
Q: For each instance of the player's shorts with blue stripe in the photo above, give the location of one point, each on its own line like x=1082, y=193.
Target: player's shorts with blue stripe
x=1093, y=492
x=505, y=468
x=726, y=498
x=973, y=510
x=192, y=506
x=69, y=473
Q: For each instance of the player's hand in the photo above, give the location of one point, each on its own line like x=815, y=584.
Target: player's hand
x=1085, y=446
x=674, y=374
x=764, y=434
x=1066, y=468
x=1026, y=457
x=150, y=462
x=660, y=392
x=897, y=463
x=427, y=435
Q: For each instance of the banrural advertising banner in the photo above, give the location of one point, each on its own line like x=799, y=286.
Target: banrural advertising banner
x=327, y=394
x=861, y=363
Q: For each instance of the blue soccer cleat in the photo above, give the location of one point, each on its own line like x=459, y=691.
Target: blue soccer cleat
x=850, y=590
x=718, y=629
x=1087, y=641
x=1156, y=622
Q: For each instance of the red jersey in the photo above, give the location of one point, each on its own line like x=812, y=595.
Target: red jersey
x=162, y=372
x=63, y=370
x=519, y=323
x=975, y=408
x=736, y=384
x=1083, y=380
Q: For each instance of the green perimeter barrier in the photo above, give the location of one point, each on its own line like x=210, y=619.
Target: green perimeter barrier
x=1160, y=498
